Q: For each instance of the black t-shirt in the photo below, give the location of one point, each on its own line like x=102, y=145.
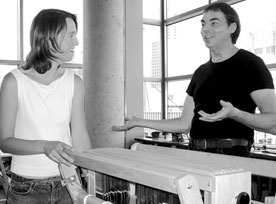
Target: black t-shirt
x=231, y=80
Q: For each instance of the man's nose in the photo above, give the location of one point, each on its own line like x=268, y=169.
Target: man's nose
x=205, y=29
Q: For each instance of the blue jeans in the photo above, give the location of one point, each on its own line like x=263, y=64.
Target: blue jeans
x=37, y=191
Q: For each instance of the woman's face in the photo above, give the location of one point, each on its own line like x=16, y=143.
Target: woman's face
x=67, y=41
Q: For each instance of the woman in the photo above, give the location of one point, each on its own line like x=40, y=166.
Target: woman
x=42, y=112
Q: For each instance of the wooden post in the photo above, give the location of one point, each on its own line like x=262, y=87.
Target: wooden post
x=72, y=181
x=188, y=190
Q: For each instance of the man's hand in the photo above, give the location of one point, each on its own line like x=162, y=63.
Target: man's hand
x=130, y=123
x=227, y=111
x=55, y=151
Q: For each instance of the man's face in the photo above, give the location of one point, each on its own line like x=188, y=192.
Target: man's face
x=215, y=31
x=67, y=41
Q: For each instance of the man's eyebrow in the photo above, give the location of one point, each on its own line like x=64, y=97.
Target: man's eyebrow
x=212, y=19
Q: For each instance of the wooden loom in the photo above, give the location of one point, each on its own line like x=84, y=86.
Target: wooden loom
x=180, y=172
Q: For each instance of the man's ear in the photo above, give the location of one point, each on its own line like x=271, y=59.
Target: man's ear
x=233, y=27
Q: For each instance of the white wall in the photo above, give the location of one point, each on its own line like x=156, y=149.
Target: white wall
x=134, y=64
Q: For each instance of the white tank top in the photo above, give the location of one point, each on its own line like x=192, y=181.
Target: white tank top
x=43, y=114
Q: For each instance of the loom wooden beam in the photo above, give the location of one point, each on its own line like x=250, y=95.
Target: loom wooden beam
x=220, y=181
x=255, y=166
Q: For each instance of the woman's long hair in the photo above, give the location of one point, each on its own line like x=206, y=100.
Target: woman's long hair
x=46, y=27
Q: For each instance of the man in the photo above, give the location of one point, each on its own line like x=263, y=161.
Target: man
x=219, y=110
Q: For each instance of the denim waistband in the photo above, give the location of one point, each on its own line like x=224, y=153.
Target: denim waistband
x=18, y=178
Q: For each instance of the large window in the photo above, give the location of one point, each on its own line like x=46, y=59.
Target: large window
x=176, y=97
x=184, y=41
x=151, y=51
x=152, y=64
x=173, y=49
x=8, y=35
x=176, y=7
x=151, y=9
x=169, y=47
x=16, y=17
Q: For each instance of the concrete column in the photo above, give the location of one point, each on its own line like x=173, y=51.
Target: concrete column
x=104, y=68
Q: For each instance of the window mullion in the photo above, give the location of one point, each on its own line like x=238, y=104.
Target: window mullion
x=20, y=53
x=163, y=61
